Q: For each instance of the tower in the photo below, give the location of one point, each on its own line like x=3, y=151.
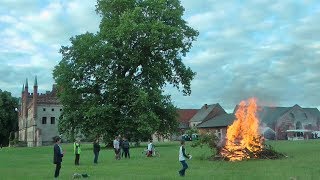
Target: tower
x=24, y=108
x=35, y=98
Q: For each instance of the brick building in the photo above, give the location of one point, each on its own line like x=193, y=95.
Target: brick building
x=38, y=116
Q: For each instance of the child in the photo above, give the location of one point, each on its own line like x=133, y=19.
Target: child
x=150, y=149
x=182, y=158
x=116, y=147
x=77, y=151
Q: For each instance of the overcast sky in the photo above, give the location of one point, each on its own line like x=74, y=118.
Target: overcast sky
x=267, y=49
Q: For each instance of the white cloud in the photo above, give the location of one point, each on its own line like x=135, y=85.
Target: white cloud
x=264, y=48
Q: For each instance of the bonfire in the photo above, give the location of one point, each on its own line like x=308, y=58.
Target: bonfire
x=243, y=139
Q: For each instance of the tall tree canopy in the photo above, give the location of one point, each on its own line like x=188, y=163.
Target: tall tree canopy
x=111, y=82
x=8, y=116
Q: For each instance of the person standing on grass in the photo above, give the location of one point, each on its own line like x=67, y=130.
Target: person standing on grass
x=96, y=150
x=116, y=147
x=182, y=158
x=57, y=156
x=150, y=149
x=125, y=147
x=77, y=151
x=121, y=153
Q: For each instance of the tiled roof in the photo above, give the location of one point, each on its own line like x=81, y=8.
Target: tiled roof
x=218, y=121
x=202, y=113
x=184, y=115
x=314, y=111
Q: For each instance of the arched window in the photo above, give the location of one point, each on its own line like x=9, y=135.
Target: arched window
x=298, y=125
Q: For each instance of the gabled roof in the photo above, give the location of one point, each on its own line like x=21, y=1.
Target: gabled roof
x=184, y=116
x=218, y=121
x=270, y=115
x=314, y=111
x=203, y=113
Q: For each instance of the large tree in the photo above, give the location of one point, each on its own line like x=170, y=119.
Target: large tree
x=8, y=116
x=111, y=82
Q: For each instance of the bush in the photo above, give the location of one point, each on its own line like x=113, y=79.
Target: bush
x=209, y=139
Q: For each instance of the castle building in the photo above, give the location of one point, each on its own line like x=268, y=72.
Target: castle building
x=38, y=116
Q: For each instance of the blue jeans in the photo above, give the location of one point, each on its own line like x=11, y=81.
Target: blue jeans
x=184, y=167
x=96, y=155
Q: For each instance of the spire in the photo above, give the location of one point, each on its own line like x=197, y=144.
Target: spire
x=26, y=83
x=22, y=87
x=35, y=81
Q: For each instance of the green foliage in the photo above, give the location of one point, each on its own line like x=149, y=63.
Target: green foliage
x=208, y=139
x=111, y=82
x=8, y=116
x=192, y=131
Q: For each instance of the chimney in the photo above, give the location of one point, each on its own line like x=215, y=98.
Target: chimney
x=206, y=106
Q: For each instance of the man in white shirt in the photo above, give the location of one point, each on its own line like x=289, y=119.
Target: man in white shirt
x=116, y=147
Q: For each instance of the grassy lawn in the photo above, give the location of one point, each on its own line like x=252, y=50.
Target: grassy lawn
x=303, y=163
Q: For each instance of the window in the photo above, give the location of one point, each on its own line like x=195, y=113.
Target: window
x=44, y=109
x=52, y=109
x=53, y=120
x=44, y=120
x=218, y=133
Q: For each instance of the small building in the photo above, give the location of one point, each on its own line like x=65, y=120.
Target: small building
x=38, y=116
x=205, y=113
x=217, y=125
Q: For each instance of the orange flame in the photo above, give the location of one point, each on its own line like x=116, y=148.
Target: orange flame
x=243, y=139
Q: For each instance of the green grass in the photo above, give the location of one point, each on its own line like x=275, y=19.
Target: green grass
x=303, y=163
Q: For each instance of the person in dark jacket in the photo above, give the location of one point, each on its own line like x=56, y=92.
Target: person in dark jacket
x=125, y=147
x=57, y=156
x=96, y=150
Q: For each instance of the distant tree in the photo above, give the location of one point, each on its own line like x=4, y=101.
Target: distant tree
x=8, y=116
x=111, y=82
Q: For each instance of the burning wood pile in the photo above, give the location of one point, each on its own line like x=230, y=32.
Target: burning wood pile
x=243, y=139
